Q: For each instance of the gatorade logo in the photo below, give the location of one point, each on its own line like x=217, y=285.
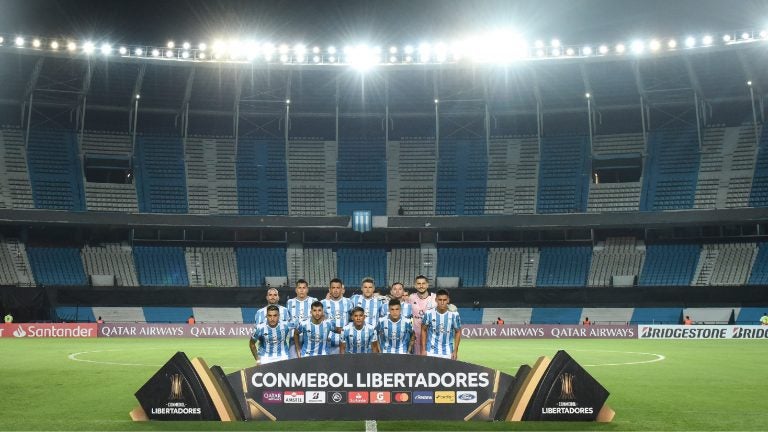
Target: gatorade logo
x=380, y=397
x=20, y=333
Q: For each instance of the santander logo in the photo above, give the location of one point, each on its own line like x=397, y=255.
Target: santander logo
x=20, y=333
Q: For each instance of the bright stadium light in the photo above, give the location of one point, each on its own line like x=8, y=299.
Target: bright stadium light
x=654, y=45
x=587, y=50
x=672, y=44
x=408, y=59
x=587, y=95
x=556, y=52
x=362, y=58
x=726, y=38
x=690, y=42
x=299, y=49
x=392, y=59
x=425, y=52
x=2, y=39
x=71, y=46
x=36, y=43
x=707, y=40
x=170, y=44
x=19, y=41
x=437, y=101
x=441, y=52
x=283, y=49
x=539, y=52
x=169, y=53
x=268, y=50
x=569, y=52
x=284, y=58
x=332, y=50
x=316, y=59
x=393, y=50
x=555, y=43
x=332, y=59
x=201, y=56
x=746, y=36
x=185, y=54
x=123, y=50
x=603, y=49
x=315, y=50
x=138, y=52
x=186, y=45
x=749, y=83
x=763, y=33
x=219, y=47
x=620, y=48
x=88, y=47
x=638, y=47
x=106, y=49
x=202, y=46
x=54, y=45
x=538, y=44
x=155, y=52
x=408, y=49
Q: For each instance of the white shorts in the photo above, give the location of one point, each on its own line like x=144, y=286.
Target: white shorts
x=333, y=350
x=445, y=356
x=271, y=359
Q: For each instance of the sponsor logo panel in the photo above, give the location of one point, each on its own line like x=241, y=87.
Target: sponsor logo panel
x=315, y=396
x=381, y=397
x=272, y=397
x=464, y=396
x=445, y=397
x=423, y=397
x=402, y=398
x=358, y=397
x=293, y=397
x=337, y=397
x=62, y=330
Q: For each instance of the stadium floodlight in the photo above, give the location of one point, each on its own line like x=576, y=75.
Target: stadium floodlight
x=155, y=52
x=726, y=38
x=71, y=46
x=437, y=101
x=763, y=33
x=749, y=83
x=269, y=50
x=362, y=58
x=138, y=52
x=707, y=40
x=201, y=55
x=202, y=46
x=690, y=42
x=392, y=59
x=393, y=50
x=283, y=49
x=654, y=45
x=287, y=101
x=555, y=43
x=408, y=59
x=315, y=50
x=408, y=49
x=19, y=41
x=638, y=47
x=316, y=59
x=251, y=50
x=122, y=50
x=746, y=36
x=538, y=44
x=603, y=49
x=332, y=59
x=2, y=39
x=36, y=43
x=185, y=54
x=587, y=50
x=54, y=45
x=441, y=52
x=299, y=49
x=284, y=58
x=620, y=48
x=186, y=45
x=539, y=52
x=569, y=52
x=169, y=53
x=587, y=95
x=219, y=47
x=170, y=44
x=106, y=49
x=88, y=47
x=332, y=50
x=556, y=52
x=425, y=52
x=672, y=44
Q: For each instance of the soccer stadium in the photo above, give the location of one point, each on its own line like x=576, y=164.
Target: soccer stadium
x=597, y=190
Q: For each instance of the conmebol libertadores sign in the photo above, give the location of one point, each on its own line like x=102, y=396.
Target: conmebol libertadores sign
x=373, y=386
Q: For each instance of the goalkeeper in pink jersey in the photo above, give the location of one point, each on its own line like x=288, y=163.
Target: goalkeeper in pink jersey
x=421, y=301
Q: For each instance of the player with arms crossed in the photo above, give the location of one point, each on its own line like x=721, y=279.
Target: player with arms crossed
x=359, y=337
x=396, y=331
x=421, y=302
x=441, y=330
x=273, y=296
x=313, y=336
x=337, y=308
x=367, y=301
x=300, y=307
x=272, y=337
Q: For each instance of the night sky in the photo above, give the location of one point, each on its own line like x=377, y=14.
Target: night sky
x=324, y=22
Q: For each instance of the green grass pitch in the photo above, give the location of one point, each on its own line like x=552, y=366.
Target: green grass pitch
x=654, y=385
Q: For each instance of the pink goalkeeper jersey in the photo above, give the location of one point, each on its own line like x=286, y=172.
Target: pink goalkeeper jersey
x=420, y=307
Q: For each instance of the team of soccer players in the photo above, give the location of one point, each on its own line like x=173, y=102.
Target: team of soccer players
x=421, y=323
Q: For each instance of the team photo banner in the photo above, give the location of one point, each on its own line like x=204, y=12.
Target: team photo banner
x=702, y=332
x=535, y=331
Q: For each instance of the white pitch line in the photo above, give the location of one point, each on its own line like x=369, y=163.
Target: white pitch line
x=75, y=357
x=658, y=358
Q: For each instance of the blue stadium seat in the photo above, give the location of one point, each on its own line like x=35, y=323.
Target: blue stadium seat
x=656, y=316
x=555, y=315
x=354, y=264
x=671, y=170
x=160, y=266
x=55, y=173
x=566, y=266
x=262, y=179
x=471, y=316
x=167, y=314
x=469, y=264
x=361, y=177
x=462, y=172
x=669, y=265
x=564, y=173
x=751, y=315
x=254, y=264
x=75, y=314
x=57, y=266
x=161, y=182
x=759, y=274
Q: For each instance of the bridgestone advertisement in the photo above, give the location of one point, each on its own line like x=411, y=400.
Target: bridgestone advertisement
x=702, y=332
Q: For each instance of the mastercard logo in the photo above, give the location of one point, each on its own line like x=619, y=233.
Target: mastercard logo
x=402, y=397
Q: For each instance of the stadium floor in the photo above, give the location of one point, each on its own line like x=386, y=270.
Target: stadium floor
x=71, y=384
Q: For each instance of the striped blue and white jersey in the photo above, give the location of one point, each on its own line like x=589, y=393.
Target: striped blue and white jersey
x=369, y=305
x=406, y=311
x=300, y=310
x=395, y=337
x=338, y=311
x=261, y=315
x=358, y=341
x=441, y=329
x=315, y=337
x=273, y=341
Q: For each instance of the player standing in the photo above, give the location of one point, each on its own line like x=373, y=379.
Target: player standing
x=337, y=308
x=359, y=337
x=396, y=331
x=367, y=301
x=272, y=337
x=441, y=330
x=396, y=291
x=273, y=296
x=421, y=302
x=313, y=336
x=300, y=307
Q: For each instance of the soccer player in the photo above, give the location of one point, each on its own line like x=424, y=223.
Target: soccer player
x=395, y=330
x=272, y=337
x=367, y=301
x=396, y=292
x=337, y=308
x=421, y=302
x=313, y=336
x=359, y=337
x=272, y=298
x=300, y=307
x=441, y=329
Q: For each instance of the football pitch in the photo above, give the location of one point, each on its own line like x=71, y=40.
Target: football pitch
x=77, y=384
